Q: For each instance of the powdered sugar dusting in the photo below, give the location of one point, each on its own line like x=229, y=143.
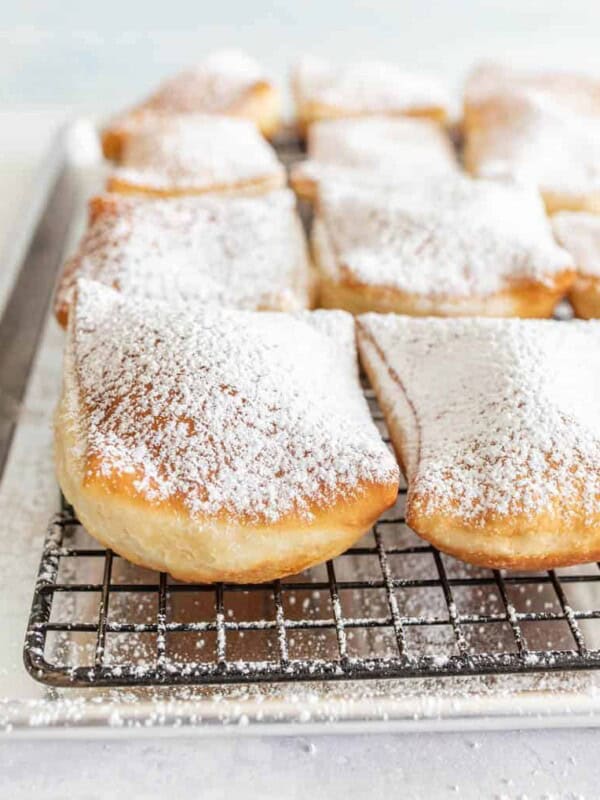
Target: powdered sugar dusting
x=215, y=85
x=237, y=252
x=544, y=128
x=579, y=233
x=367, y=86
x=197, y=151
x=506, y=412
x=257, y=415
x=373, y=147
x=454, y=236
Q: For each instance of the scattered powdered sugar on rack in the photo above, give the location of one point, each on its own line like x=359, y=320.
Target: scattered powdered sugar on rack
x=369, y=147
x=579, y=233
x=216, y=84
x=516, y=427
x=256, y=414
x=197, y=151
x=373, y=86
x=237, y=252
x=453, y=236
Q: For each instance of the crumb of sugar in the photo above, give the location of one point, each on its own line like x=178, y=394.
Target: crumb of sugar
x=196, y=151
x=506, y=412
x=237, y=252
x=453, y=237
x=374, y=86
x=254, y=414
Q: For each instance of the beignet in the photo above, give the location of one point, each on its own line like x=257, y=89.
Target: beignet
x=449, y=247
x=196, y=154
x=371, y=149
x=543, y=128
x=497, y=426
x=226, y=82
x=217, y=445
x=247, y=252
x=323, y=90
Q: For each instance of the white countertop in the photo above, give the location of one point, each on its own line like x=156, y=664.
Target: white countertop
x=548, y=765
x=56, y=63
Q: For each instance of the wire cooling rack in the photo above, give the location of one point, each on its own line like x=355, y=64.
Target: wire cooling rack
x=391, y=607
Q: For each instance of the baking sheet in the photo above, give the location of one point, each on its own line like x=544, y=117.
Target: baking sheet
x=28, y=497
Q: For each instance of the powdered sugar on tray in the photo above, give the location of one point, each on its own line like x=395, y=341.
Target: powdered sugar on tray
x=366, y=86
x=197, y=151
x=215, y=85
x=406, y=702
x=516, y=427
x=255, y=414
x=579, y=233
x=240, y=252
x=452, y=236
x=386, y=146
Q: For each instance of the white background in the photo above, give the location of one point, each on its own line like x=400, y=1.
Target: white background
x=101, y=54
x=58, y=59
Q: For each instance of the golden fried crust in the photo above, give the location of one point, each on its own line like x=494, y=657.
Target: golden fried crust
x=164, y=537
x=102, y=205
x=262, y=106
x=520, y=542
x=524, y=543
x=309, y=112
x=585, y=297
x=247, y=188
x=304, y=186
x=521, y=299
x=561, y=201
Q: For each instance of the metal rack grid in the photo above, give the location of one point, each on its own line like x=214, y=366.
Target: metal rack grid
x=392, y=607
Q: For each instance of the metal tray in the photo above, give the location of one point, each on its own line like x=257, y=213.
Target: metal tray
x=565, y=604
